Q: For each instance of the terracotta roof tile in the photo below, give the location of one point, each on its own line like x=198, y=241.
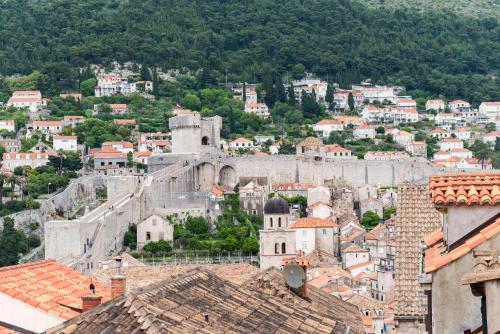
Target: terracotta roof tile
x=465, y=188
x=40, y=285
x=310, y=222
x=437, y=254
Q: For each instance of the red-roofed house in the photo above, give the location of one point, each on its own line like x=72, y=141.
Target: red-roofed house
x=437, y=105
x=11, y=160
x=354, y=255
x=31, y=99
x=315, y=233
x=121, y=146
x=449, y=144
x=326, y=126
x=48, y=127
x=126, y=122
x=73, y=120
x=119, y=108
x=459, y=106
x=39, y=295
x=338, y=152
x=155, y=146
x=491, y=137
x=242, y=143
x=491, y=110
x=364, y=131
x=65, y=143
x=260, y=109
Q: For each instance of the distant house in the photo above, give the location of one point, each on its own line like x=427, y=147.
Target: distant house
x=109, y=158
x=48, y=127
x=8, y=125
x=10, y=144
x=450, y=143
x=260, y=139
x=450, y=120
x=260, y=109
x=155, y=146
x=389, y=114
x=386, y=155
x=338, y=152
x=73, y=120
x=121, y=146
x=31, y=99
x=436, y=105
x=326, y=126
x=351, y=120
x=440, y=133
x=418, y=148
x=462, y=133
x=311, y=147
x=315, y=234
x=242, y=143
x=291, y=189
x=474, y=163
x=154, y=136
x=379, y=94
x=406, y=103
x=491, y=137
x=142, y=157
x=65, y=143
x=154, y=229
x=119, y=108
x=364, y=131
x=11, y=160
x=401, y=137
x=459, y=106
x=490, y=110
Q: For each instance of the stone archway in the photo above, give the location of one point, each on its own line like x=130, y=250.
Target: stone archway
x=205, y=176
x=205, y=141
x=227, y=177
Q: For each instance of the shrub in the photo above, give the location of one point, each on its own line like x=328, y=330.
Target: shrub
x=34, y=241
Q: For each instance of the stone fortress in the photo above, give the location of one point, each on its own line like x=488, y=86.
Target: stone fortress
x=181, y=182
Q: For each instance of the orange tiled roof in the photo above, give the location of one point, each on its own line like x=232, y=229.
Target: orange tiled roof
x=124, y=121
x=49, y=286
x=352, y=236
x=437, y=254
x=465, y=188
x=310, y=222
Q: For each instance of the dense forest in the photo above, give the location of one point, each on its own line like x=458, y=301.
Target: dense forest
x=437, y=52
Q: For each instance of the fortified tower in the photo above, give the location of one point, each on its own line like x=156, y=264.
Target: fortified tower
x=191, y=134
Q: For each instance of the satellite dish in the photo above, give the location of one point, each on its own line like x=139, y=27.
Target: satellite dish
x=294, y=275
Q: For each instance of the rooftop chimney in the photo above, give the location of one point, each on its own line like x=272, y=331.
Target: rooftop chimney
x=118, y=282
x=91, y=299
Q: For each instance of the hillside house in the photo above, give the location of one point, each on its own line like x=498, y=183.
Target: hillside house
x=8, y=125
x=73, y=120
x=364, y=131
x=48, y=127
x=65, y=143
x=326, y=126
x=490, y=110
x=11, y=160
x=435, y=105
x=32, y=100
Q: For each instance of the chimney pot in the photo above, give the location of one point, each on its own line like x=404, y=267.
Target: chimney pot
x=90, y=301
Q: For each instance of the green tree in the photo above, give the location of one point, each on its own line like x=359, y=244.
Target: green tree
x=370, y=219
x=244, y=92
x=192, y=102
x=388, y=212
x=329, y=93
x=497, y=144
x=34, y=241
x=197, y=225
x=130, y=237
x=250, y=244
x=298, y=71
x=350, y=101
x=9, y=248
x=87, y=87
x=490, y=127
x=291, y=96
x=145, y=73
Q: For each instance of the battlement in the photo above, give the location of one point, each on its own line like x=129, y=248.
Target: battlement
x=185, y=121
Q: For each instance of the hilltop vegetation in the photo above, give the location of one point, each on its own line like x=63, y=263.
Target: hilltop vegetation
x=476, y=8
x=436, y=52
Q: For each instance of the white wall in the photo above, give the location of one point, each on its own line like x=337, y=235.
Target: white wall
x=65, y=144
x=305, y=239
x=22, y=315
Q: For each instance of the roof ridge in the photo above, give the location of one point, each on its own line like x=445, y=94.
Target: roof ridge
x=34, y=264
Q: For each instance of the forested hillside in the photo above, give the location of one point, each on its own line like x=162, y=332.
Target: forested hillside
x=476, y=8
x=437, y=52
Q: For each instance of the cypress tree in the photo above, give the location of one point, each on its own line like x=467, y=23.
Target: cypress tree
x=145, y=74
x=245, y=92
x=9, y=244
x=350, y=101
x=156, y=85
x=268, y=86
x=329, y=94
x=280, y=89
x=291, y=96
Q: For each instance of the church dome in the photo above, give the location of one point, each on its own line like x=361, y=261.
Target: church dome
x=276, y=206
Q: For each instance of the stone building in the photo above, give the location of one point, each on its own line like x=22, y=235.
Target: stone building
x=191, y=133
x=311, y=147
x=277, y=239
x=416, y=217
x=153, y=229
x=252, y=198
x=454, y=273
x=315, y=234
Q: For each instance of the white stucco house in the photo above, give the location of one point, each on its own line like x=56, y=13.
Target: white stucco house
x=154, y=229
x=65, y=143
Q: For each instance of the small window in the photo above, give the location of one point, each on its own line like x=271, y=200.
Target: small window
x=283, y=248
x=324, y=231
x=276, y=248
x=148, y=235
x=279, y=222
x=270, y=221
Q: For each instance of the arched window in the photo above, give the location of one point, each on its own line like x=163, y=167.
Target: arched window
x=276, y=248
x=205, y=141
x=283, y=248
x=270, y=221
x=279, y=222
